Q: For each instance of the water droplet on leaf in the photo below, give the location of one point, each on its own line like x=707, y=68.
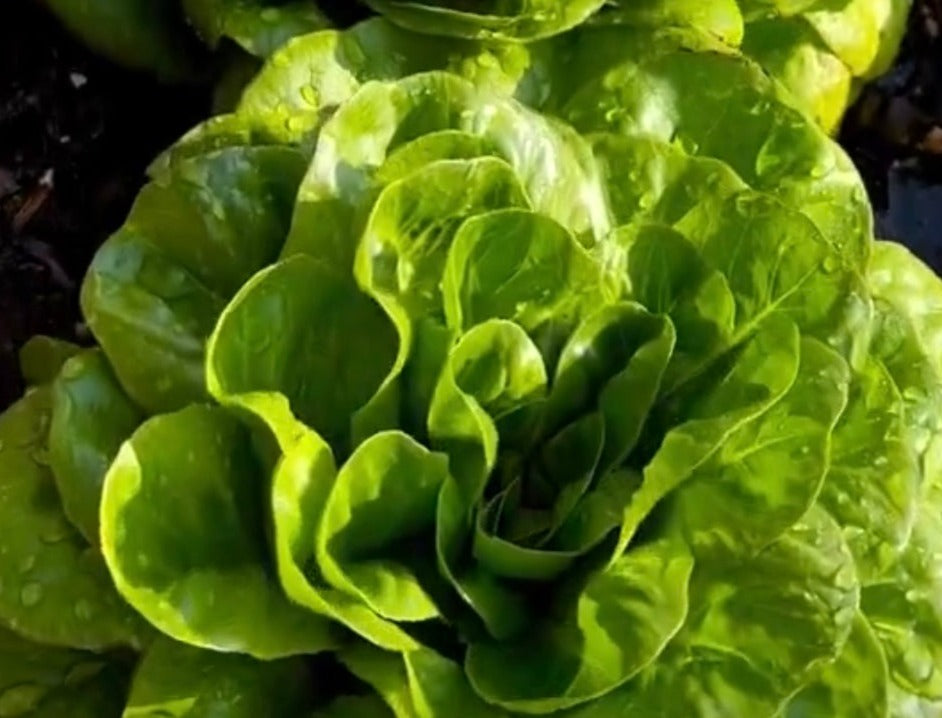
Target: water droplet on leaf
x=56, y=533
x=309, y=95
x=295, y=124
x=31, y=594
x=83, y=610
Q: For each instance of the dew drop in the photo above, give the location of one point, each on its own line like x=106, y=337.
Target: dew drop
x=83, y=610
x=56, y=533
x=72, y=369
x=918, y=664
x=487, y=60
x=295, y=124
x=309, y=95
x=31, y=594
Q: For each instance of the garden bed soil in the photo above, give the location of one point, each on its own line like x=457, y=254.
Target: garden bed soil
x=76, y=134
x=894, y=135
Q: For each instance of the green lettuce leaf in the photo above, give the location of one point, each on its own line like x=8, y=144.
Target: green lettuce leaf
x=39, y=681
x=257, y=26
x=54, y=587
x=525, y=20
x=141, y=34
x=174, y=680
x=156, y=287
x=202, y=583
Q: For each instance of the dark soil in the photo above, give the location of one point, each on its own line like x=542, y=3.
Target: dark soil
x=894, y=135
x=76, y=134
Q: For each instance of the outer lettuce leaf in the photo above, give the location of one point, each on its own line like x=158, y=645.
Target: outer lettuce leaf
x=142, y=34
x=770, y=471
x=177, y=681
x=905, y=610
x=312, y=75
x=783, y=609
x=259, y=27
x=45, y=682
x=42, y=357
x=610, y=75
x=795, y=55
x=864, y=35
x=156, y=287
x=819, y=51
x=157, y=36
x=204, y=583
x=91, y=418
x=791, y=609
x=600, y=79
x=268, y=325
x=309, y=78
x=53, y=586
x=304, y=472
x=855, y=684
x=722, y=18
x=383, y=118
x=492, y=19
x=873, y=486
x=702, y=682
x=909, y=285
